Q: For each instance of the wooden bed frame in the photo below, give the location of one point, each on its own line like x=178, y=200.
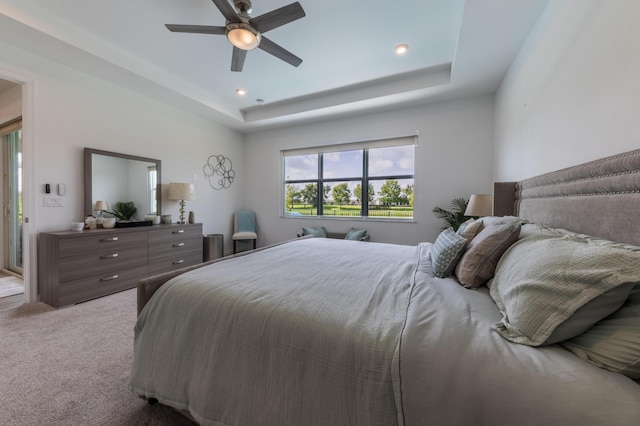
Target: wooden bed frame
x=599, y=198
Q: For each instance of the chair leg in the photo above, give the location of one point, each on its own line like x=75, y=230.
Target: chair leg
x=234, y=246
x=254, y=244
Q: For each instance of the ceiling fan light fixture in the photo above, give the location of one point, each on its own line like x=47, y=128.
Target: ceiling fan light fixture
x=242, y=35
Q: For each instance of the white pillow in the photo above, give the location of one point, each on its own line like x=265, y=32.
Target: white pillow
x=541, y=281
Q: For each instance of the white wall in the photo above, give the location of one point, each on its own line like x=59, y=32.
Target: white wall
x=71, y=110
x=573, y=93
x=453, y=159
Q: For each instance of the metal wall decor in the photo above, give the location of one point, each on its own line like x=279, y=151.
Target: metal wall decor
x=219, y=171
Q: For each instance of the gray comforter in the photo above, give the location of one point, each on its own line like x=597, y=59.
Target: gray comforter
x=305, y=333
x=326, y=332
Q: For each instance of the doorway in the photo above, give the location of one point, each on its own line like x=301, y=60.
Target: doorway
x=11, y=275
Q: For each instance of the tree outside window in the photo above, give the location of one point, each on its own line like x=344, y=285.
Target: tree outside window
x=375, y=181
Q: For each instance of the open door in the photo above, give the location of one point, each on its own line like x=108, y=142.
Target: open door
x=12, y=201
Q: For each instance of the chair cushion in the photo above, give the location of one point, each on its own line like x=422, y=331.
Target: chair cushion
x=245, y=236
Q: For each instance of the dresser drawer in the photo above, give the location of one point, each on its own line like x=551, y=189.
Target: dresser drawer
x=99, y=262
x=100, y=242
x=174, y=248
x=99, y=285
x=175, y=233
x=77, y=266
x=186, y=258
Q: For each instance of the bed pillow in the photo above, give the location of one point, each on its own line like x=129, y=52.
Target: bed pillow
x=478, y=263
x=495, y=220
x=320, y=231
x=470, y=228
x=528, y=229
x=543, y=280
x=614, y=342
x=446, y=252
x=355, y=234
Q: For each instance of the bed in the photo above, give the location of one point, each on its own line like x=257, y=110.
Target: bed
x=328, y=332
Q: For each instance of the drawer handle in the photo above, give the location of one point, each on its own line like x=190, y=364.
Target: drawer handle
x=177, y=262
x=109, y=256
x=179, y=245
x=108, y=240
x=179, y=231
x=113, y=277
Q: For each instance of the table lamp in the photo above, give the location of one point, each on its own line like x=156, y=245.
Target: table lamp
x=182, y=192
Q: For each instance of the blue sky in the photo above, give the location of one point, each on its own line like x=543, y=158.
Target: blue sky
x=397, y=160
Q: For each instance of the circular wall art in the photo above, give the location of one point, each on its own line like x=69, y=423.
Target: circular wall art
x=219, y=171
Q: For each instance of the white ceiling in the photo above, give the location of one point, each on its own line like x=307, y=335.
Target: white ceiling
x=456, y=48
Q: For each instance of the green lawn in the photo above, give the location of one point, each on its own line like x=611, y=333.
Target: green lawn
x=405, y=212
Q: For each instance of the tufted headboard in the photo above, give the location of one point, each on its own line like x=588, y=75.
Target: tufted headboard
x=600, y=198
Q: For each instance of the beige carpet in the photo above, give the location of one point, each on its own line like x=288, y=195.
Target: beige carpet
x=71, y=366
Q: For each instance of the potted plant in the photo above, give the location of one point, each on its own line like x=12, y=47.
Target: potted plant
x=454, y=217
x=124, y=210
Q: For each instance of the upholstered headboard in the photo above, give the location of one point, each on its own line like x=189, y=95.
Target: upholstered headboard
x=600, y=198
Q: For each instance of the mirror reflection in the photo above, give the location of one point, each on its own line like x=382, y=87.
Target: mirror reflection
x=121, y=178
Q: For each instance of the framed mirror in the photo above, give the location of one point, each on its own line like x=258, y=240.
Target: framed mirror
x=114, y=177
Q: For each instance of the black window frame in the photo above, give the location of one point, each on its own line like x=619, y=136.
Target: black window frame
x=363, y=180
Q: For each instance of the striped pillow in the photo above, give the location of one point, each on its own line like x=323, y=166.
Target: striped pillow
x=446, y=252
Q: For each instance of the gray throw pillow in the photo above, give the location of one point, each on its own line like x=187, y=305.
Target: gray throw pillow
x=355, y=234
x=316, y=232
x=446, y=252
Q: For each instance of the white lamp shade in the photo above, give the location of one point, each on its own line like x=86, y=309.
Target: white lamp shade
x=182, y=191
x=101, y=206
x=480, y=205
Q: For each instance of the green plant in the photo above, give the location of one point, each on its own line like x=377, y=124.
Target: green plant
x=454, y=217
x=124, y=210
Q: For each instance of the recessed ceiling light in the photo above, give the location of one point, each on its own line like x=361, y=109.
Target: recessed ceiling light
x=241, y=92
x=401, y=49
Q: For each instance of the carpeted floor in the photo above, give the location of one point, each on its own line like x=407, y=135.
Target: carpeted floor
x=71, y=366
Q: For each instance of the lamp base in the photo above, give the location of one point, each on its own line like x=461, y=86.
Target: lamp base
x=182, y=221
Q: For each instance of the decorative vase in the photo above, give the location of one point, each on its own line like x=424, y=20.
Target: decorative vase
x=192, y=217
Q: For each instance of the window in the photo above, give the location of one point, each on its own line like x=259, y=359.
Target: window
x=152, y=186
x=372, y=179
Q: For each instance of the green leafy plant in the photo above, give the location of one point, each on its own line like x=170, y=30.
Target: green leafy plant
x=454, y=217
x=124, y=210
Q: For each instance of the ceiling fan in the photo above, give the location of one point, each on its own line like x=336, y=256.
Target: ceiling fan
x=245, y=32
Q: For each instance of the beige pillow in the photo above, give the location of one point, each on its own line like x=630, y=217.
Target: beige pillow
x=470, y=228
x=478, y=264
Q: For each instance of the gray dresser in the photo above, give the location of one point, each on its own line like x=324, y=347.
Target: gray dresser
x=77, y=266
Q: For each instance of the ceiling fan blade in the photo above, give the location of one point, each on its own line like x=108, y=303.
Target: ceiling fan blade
x=237, y=59
x=199, y=29
x=278, y=17
x=227, y=10
x=279, y=52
